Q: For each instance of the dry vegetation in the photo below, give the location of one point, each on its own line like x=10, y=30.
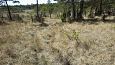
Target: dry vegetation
x=57, y=44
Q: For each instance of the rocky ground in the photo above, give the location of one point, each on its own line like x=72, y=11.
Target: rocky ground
x=57, y=43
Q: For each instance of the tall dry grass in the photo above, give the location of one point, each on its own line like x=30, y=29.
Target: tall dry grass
x=57, y=44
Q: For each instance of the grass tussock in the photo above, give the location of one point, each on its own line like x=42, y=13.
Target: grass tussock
x=57, y=44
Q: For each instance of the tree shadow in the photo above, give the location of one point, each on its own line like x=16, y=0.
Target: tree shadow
x=95, y=21
x=109, y=21
x=43, y=24
x=91, y=21
x=2, y=23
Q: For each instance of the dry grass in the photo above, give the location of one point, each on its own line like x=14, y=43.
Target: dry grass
x=57, y=44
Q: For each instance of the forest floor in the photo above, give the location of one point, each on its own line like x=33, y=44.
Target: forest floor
x=57, y=43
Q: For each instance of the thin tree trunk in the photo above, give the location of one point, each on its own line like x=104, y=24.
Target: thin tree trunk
x=37, y=11
x=50, y=15
x=50, y=11
x=73, y=10
x=81, y=9
x=100, y=9
x=9, y=11
x=92, y=13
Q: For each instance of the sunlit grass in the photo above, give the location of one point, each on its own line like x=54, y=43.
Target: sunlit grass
x=57, y=44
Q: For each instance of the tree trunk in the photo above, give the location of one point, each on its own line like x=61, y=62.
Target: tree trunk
x=100, y=9
x=37, y=10
x=73, y=10
x=92, y=12
x=9, y=13
x=50, y=10
x=81, y=10
x=50, y=15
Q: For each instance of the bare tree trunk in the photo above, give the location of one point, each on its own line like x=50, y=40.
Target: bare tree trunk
x=37, y=10
x=81, y=10
x=100, y=9
x=50, y=10
x=92, y=12
x=49, y=5
x=73, y=10
x=8, y=11
x=50, y=15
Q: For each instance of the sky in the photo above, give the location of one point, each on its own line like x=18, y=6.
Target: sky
x=25, y=2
